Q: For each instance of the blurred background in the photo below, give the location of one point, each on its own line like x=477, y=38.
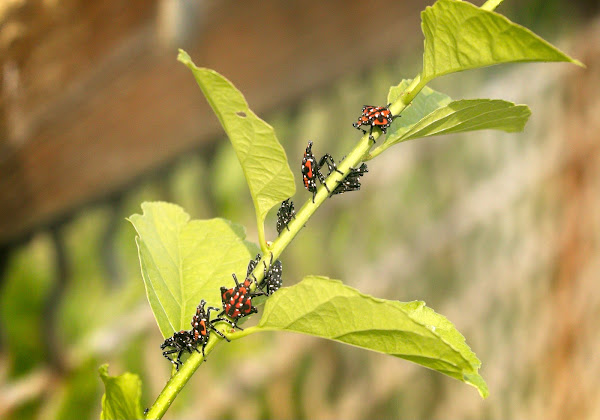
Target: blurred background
x=499, y=232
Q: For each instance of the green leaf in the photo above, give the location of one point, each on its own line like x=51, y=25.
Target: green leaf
x=184, y=261
x=427, y=101
x=465, y=115
x=327, y=308
x=121, y=399
x=460, y=36
x=262, y=158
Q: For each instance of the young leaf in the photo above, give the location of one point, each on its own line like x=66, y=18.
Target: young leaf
x=185, y=261
x=121, y=399
x=427, y=101
x=460, y=36
x=327, y=308
x=262, y=158
x=465, y=115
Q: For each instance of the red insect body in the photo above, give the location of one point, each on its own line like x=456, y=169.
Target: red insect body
x=374, y=116
x=237, y=301
x=308, y=164
x=311, y=169
x=189, y=341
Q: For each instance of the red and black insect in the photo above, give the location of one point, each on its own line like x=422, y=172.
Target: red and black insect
x=352, y=181
x=374, y=116
x=285, y=214
x=189, y=340
x=311, y=169
x=201, y=325
x=237, y=301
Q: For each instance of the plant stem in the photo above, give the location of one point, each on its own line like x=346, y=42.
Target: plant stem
x=359, y=154
x=179, y=379
x=247, y=331
x=261, y=234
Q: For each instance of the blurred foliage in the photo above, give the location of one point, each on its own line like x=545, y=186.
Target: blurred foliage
x=28, y=279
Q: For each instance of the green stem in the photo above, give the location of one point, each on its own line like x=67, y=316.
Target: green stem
x=359, y=154
x=261, y=234
x=411, y=92
x=178, y=381
x=247, y=331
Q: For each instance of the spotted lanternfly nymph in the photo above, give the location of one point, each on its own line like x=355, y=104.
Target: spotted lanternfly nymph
x=374, y=116
x=201, y=325
x=180, y=341
x=311, y=169
x=272, y=280
x=352, y=181
x=189, y=340
x=237, y=301
x=252, y=265
x=285, y=214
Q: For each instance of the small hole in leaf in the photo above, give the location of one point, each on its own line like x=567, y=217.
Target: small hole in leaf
x=241, y=114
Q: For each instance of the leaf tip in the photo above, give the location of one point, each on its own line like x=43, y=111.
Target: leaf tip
x=184, y=57
x=477, y=381
x=103, y=370
x=578, y=63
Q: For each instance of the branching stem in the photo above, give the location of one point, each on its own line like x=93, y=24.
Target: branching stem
x=359, y=154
